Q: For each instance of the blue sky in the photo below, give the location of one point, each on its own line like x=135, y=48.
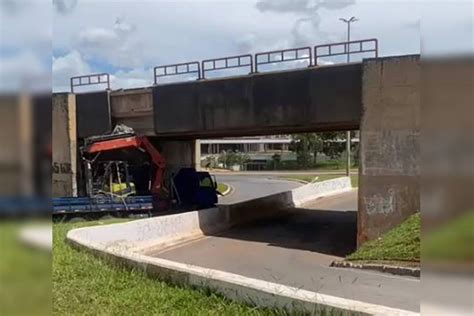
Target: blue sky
x=127, y=38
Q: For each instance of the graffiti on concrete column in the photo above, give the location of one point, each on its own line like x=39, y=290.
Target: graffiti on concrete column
x=380, y=204
x=62, y=168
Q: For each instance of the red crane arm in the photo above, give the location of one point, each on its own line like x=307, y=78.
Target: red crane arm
x=136, y=142
x=158, y=160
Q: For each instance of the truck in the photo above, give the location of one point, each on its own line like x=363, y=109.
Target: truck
x=125, y=175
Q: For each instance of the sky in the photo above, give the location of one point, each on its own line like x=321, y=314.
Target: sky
x=128, y=38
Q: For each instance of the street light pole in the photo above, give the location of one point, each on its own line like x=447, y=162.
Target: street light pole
x=348, y=22
x=348, y=133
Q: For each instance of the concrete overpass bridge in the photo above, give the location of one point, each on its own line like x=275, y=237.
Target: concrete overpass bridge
x=378, y=96
x=311, y=99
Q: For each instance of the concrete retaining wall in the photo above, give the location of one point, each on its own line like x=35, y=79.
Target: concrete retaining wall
x=154, y=234
x=389, y=189
x=315, y=190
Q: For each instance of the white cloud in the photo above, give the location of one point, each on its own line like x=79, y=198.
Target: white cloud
x=114, y=44
x=67, y=66
x=151, y=33
x=135, y=78
x=64, y=6
x=22, y=70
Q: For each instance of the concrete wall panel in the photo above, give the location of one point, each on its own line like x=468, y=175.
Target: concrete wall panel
x=93, y=114
x=221, y=102
x=175, y=107
x=336, y=95
x=282, y=100
x=134, y=108
x=390, y=147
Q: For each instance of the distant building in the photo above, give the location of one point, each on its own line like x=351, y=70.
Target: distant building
x=246, y=144
x=260, y=149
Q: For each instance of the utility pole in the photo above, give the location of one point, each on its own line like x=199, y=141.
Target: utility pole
x=348, y=133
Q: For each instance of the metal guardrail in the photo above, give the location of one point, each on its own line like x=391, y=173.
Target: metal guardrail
x=284, y=56
x=177, y=69
x=347, y=50
x=247, y=60
x=87, y=80
x=238, y=61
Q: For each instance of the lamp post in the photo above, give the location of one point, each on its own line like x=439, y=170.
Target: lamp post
x=348, y=22
x=348, y=133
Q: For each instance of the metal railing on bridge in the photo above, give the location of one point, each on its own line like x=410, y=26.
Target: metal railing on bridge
x=231, y=62
x=348, y=48
x=92, y=79
x=303, y=54
x=284, y=55
x=192, y=67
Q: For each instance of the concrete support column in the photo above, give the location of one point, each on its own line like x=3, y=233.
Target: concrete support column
x=389, y=189
x=180, y=154
x=197, y=154
x=64, y=128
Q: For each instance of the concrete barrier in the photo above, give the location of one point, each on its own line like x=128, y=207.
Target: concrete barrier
x=131, y=243
x=312, y=191
x=159, y=233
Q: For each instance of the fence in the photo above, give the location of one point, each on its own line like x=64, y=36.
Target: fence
x=308, y=54
x=92, y=79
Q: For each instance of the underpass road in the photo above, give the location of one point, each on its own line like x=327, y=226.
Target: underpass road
x=247, y=187
x=297, y=249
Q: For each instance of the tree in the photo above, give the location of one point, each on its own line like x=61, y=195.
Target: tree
x=333, y=144
x=276, y=158
x=305, y=146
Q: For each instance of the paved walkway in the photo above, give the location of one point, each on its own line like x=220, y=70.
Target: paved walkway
x=296, y=250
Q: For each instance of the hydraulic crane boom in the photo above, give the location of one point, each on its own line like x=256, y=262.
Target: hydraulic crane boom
x=140, y=142
x=111, y=188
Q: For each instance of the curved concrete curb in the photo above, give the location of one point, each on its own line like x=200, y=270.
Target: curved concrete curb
x=229, y=189
x=397, y=270
x=40, y=237
x=236, y=287
x=132, y=243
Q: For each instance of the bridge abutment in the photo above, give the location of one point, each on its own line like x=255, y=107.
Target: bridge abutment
x=389, y=187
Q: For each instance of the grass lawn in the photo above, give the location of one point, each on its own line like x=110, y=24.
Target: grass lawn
x=401, y=244
x=453, y=242
x=25, y=275
x=222, y=187
x=310, y=178
x=86, y=285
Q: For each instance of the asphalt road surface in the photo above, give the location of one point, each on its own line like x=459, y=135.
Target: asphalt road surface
x=247, y=187
x=296, y=250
